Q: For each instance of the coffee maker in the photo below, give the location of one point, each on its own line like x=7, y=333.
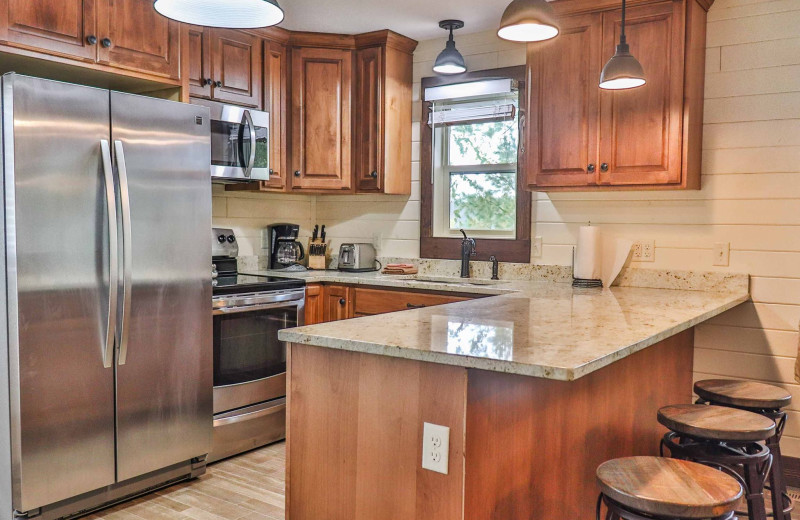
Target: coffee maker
x=284, y=248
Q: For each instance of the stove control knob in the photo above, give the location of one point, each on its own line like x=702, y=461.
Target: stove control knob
x=231, y=239
x=221, y=239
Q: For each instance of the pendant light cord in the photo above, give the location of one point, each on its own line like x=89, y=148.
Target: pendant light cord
x=622, y=39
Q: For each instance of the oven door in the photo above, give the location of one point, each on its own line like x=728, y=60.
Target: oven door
x=239, y=144
x=249, y=360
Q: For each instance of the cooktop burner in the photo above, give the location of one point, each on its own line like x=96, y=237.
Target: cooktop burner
x=245, y=283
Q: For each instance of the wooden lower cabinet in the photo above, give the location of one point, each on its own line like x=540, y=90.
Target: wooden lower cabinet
x=334, y=302
x=521, y=448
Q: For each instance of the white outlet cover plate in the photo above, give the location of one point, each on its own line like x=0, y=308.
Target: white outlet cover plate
x=435, y=448
x=537, y=247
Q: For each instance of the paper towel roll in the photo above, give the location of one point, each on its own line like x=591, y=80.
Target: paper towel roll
x=588, y=259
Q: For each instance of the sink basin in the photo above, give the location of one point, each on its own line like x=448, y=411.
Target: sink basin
x=456, y=281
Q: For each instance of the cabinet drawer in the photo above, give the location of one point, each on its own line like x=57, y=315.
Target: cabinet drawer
x=378, y=301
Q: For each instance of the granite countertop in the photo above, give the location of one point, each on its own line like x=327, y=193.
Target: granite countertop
x=538, y=329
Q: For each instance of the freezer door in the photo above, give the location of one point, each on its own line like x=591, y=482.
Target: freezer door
x=164, y=367
x=57, y=254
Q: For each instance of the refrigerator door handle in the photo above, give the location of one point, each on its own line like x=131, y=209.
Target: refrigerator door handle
x=113, y=257
x=247, y=121
x=127, y=254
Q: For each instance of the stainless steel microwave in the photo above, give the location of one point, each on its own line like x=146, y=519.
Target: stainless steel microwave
x=239, y=143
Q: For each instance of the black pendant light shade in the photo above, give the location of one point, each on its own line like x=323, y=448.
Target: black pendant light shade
x=450, y=61
x=528, y=21
x=231, y=14
x=622, y=71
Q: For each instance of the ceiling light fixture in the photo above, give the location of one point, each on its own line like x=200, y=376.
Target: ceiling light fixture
x=450, y=61
x=622, y=71
x=528, y=21
x=230, y=14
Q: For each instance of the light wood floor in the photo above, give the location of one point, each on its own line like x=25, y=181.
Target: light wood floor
x=248, y=487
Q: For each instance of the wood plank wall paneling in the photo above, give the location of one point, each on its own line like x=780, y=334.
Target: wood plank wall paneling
x=750, y=195
x=378, y=474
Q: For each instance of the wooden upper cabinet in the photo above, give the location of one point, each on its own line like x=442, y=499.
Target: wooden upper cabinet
x=564, y=99
x=236, y=65
x=369, y=119
x=321, y=119
x=640, y=129
x=132, y=35
x=580, y=137
x=199, y=55
x=275, y=78
x=60, y=27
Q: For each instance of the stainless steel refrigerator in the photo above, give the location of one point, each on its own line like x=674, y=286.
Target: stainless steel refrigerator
x=106, y=362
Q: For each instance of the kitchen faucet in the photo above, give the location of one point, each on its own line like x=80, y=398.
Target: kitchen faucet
x=468, y=249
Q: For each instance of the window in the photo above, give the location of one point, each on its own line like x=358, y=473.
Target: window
x=475, y=177
x=471, y=177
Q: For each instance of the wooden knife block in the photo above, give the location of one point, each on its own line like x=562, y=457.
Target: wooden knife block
x=320, y=256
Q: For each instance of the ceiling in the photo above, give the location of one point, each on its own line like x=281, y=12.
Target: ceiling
x=418, y=19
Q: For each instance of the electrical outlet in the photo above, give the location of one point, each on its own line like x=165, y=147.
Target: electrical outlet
x=537, y=247
x=644, y=251
x=722, y=254
x=435, y=447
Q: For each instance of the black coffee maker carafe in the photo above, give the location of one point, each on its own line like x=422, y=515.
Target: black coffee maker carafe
x=284, y=248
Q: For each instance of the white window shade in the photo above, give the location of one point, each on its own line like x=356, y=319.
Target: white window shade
x=464, y=115
x=470, y=89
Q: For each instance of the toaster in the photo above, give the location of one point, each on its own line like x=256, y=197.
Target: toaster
x=357, y=258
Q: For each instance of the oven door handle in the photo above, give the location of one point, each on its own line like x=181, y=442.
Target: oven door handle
x=262, y=307
x=269, y=409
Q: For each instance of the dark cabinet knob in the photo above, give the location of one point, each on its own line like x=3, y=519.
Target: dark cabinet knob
x=342, y=301
x=207, y=81
x=91, y=40
x=218, y=84
x=412, y=306
x=374, y=175
x=297, y=173
x=604, y=167
x=271, y=171
x=591, y=168
x=105, y=42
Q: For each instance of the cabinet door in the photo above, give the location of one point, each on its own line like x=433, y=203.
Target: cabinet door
x=132, y=35
x=563, y=105
x=275, y=73
x=337, y=303
x=51, y=26
x=236, y=62
x=369, y=119
x=313, y=313
x=321, y=124
x=199, y=54
x=641, y=129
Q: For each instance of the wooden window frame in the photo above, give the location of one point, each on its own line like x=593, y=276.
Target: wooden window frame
x=506, y=250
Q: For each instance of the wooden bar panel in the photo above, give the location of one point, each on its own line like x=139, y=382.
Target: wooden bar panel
x=533, y=444
x=355, y=446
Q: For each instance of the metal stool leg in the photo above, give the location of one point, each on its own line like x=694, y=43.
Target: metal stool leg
x=777, y=481
x=756, y=506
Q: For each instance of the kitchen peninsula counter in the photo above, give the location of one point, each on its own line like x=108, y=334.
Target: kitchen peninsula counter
x=538, y=385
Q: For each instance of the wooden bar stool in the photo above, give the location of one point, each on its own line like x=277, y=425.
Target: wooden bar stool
x=767, y=400
x=724, y=438
x=654, y=488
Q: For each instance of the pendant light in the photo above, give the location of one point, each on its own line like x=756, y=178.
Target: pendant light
x=230, y=14
x=622, y=71
x=450, y=61
x=528, y=21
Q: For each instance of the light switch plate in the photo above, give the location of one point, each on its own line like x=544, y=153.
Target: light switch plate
x=435, y=447
x=722, y=254
x=537, y=247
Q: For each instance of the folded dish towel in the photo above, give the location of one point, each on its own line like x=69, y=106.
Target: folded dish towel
x=399, y=269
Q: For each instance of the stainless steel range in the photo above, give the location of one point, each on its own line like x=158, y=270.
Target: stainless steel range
x=249, y=361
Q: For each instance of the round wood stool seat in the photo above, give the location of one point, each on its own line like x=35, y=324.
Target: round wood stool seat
x=716, y=423
x=743, y=394
x=669, y=488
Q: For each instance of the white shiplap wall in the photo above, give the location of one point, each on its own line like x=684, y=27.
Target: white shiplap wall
x=750, y=196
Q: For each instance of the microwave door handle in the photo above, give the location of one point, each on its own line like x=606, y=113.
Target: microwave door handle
x=247, y=121
x=127, y=254
x=113, y=256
